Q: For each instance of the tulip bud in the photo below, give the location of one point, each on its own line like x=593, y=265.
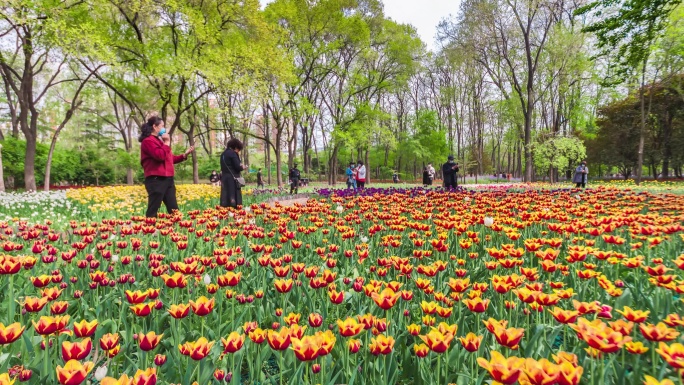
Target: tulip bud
x=219, y=375
x=407, y=313
x=25, y=375
x=250, y=298
x=42, y=344
x=315, y=368
x=158, y=305
x=229, y=376
x=275, y=326
x=101, y=373
x=159, y=359
x=279, y=312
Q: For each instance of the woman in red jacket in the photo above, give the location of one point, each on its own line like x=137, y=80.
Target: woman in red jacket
x=157, y=161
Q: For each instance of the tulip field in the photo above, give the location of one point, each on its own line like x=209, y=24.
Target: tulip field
x=520, y=285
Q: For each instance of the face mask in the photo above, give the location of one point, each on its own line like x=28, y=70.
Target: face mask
x=162, y=131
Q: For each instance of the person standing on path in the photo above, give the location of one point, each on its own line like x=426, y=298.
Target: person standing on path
x=351, y=180
x=294, y=179
x=426, y=177
x=581, y=174
x=214, y=178
x=260, y=180
x=231, y=167
x=361, y=175
x=450, y=173
x=157, y=162
x=431, y=172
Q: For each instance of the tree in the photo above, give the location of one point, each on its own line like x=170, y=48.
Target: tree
x=41, y=30
x=557, y=152
x=626, y=36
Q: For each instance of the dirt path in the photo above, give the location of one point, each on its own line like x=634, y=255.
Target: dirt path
x=288, y=201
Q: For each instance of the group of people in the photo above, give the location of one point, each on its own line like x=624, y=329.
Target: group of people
x=158, y=161
x=450, y=171
x=356, y=176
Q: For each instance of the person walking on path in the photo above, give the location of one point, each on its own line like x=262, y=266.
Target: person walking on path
x=361, y=175
x=581, y=173
x=157, y=162
x=450, y=173
x=294, y=179
x=260, y=180
x=231, y=167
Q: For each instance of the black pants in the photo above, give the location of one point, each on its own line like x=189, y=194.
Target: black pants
x=581, y=184
x=160, y=189
x=294, y=186
x=231, y=193
x=360, y=184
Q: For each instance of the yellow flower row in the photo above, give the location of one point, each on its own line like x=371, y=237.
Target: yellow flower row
x=129, y=199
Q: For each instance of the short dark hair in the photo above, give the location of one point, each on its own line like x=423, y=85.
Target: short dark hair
x=361, y=163
x=235, y=144
x=147, y=127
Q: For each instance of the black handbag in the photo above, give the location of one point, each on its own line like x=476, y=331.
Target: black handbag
x=240, y=181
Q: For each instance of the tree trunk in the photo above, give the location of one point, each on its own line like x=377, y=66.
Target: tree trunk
x=642, y=127
x=278, y=156
x=2, y=178
x=367, y=168
x=48, y=165
x=129, y=176
x=332, y=166
x=30, y=163
x=667, y=146
x=528, y=139
x=195, y=166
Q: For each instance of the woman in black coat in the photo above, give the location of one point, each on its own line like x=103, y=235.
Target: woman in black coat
x=426, y=177
x=231, y=167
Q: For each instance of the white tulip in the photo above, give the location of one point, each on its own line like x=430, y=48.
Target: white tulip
x=207, y=279
x=364, y=239
x=488, y=221
x=339, y=209
x=115, y=258
x=101, y=373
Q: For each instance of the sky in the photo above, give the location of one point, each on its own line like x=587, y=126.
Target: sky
x=422, y=14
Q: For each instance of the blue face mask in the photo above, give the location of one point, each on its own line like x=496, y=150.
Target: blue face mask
x=162, y=131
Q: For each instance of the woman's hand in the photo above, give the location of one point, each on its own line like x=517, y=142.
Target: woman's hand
x=166, y=138
x=189, y=150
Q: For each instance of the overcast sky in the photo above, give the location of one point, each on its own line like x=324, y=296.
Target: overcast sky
x=423, y=14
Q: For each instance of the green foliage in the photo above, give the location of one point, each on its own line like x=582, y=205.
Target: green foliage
x=557, y=152
x=627, y=33
x=88, y=165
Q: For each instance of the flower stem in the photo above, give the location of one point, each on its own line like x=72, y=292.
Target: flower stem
x=11, y=298
x=46, y=358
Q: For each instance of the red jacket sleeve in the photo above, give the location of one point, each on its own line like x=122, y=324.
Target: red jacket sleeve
x=157, y=151
x=179, y=158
